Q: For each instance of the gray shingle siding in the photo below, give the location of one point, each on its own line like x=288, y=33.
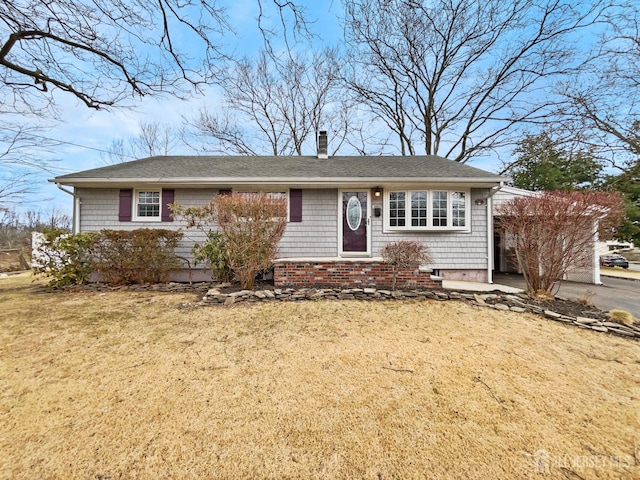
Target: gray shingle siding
x=315, y=236
x=99, y=210
x=450, y=250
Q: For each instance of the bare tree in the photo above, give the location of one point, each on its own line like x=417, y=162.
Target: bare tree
x=601, y=110
x=276, y=106
x=16, y=227
x=291, y=25
x=154, y=138
x=102, y=52
x=14, y=186
x=554, y=232
x=23, y=153
x=106, y=54
x=458, y=78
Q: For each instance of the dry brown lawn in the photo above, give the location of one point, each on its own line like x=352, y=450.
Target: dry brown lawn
x=124, y=385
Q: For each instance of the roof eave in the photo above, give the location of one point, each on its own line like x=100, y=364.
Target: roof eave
x=305, y=181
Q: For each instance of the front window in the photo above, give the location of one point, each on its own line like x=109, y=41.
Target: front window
x=458, y=209
x=418, y=209
x=427, y=210
x=439, y=209
x=270, y=194
x=397, y=209
x=147, y=205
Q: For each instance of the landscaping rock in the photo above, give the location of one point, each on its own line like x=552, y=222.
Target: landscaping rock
x=479, y=299
x=219, y=294
x=598, y=328
x=588, y=321
x=619, y=331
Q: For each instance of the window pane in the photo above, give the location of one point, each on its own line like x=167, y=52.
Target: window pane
x=246, y=194
x=439, y=205
x=146, y=210
x=276, y=195
x=418, y=209
x=397, y=209
x=458, y=209
x=149, y=204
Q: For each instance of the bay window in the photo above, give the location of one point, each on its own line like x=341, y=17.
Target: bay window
x=427, y=210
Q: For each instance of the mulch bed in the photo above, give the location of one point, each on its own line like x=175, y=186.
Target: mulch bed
x=559, y=305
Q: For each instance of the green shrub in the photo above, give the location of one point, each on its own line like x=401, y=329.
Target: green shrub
x=213, y=253
x=67, y=259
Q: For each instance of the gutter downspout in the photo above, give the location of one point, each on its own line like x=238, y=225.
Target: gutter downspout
x=76, y=208
x=494, y=190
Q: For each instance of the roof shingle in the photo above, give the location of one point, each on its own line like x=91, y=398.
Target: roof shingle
x=219, y=168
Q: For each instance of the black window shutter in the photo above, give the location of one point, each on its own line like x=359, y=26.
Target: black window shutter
x=224, y=191
x=167, y=198
x=126, y=200
x=295, y=205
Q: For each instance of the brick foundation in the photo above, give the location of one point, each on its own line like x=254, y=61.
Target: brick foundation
x=349, y=274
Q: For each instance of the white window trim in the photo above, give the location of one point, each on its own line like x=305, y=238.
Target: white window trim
x=387, y=228
x=134, y=205
x=262, y=191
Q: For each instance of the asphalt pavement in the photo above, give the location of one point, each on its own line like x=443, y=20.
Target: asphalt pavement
x=614, y=293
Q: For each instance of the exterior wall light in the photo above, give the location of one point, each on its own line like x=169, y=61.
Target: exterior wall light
x=377, y=192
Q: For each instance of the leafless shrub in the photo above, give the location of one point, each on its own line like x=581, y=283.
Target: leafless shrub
x=554, y=232
x=251, y=226
x=405, y=254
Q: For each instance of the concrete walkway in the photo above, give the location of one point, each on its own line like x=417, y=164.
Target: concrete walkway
x=458, y=285
x=629, y=274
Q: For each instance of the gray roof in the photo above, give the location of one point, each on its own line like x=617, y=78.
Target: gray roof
x=303, y=170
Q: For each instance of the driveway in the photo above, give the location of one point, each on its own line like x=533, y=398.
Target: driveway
x=614, y=293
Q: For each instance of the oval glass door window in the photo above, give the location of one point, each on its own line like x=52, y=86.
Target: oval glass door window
x=354, y=213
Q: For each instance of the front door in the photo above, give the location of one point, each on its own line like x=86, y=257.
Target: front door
x=355, y=222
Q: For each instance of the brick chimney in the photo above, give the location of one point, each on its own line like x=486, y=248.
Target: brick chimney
x=322, y=144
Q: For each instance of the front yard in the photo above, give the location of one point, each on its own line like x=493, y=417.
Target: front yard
x=138, y=385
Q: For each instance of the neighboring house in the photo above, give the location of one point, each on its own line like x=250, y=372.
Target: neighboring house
x=504, y=257
x=614, y=246
x=342, y=210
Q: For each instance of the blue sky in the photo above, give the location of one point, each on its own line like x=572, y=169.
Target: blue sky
x=88, y=132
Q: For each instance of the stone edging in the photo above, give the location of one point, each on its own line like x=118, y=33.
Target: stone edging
x=505, y=302
x=518, y=303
